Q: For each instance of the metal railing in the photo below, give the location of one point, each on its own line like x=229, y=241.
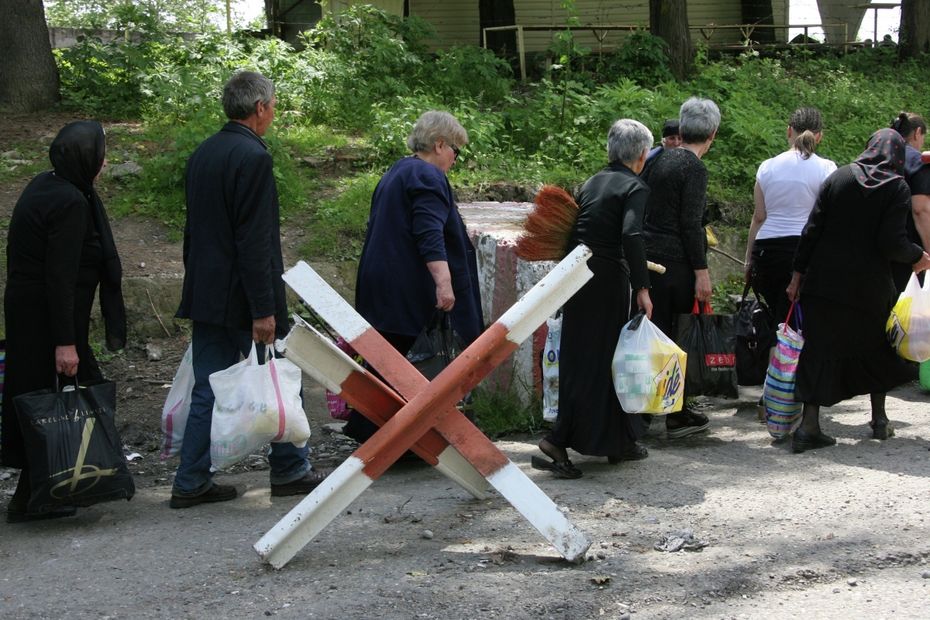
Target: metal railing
x=707, y=31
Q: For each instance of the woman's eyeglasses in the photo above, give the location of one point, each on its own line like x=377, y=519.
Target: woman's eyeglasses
x=456, y=150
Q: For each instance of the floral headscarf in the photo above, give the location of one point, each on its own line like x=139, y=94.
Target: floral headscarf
x=882, y=161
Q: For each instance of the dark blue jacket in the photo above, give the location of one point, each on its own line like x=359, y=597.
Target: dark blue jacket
x=232, y=244
x=413, y=221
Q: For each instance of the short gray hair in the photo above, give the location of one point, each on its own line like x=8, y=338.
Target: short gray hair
x=243, y=91
x=699, y=120
x=626, y=140
x=434, y=126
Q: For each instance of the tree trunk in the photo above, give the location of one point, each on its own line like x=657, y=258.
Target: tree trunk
x=669, y=19
x=760, y=12
x=28, y=73
x=498, y=13
x=915, y=28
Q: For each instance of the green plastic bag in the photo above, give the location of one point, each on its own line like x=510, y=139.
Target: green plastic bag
x=925, y=375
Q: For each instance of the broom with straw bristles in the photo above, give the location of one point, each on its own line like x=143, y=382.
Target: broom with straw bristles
x=549, y=226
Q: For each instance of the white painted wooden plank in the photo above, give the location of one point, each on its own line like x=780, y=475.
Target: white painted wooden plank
x=313, y=513
x=541, y=512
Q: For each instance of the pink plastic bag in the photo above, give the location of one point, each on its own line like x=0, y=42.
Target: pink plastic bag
x=339, y=408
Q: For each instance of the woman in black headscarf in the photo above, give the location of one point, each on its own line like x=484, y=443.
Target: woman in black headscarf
x=60, y=247
x=855, y=231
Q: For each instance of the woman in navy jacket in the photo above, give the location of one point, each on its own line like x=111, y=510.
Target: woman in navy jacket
x=417, y=255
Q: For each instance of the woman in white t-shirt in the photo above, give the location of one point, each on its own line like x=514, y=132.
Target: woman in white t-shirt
x=786, y=188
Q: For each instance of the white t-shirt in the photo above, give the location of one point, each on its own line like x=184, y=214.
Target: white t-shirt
x=790, y=185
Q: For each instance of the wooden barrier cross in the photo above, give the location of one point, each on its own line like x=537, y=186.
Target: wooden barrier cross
x=429, y=406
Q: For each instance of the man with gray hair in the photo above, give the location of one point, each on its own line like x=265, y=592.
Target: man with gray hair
x=233, y=292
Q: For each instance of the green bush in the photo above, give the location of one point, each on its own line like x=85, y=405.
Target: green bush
x=338, y=225
x=553, y=130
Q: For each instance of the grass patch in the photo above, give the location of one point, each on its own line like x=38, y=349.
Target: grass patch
x=37, y=159
x=338, y=224
x=499, y=413
x=162, y=150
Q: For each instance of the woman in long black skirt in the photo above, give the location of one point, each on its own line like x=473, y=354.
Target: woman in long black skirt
x=610, y=215
x=60, y=249
x=855, y=231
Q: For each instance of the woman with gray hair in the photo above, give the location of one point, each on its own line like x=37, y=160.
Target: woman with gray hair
x=610, y=215
x=674, y=231
x=417, y=256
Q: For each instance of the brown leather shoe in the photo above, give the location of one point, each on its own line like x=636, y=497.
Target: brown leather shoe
x=302, y=486
x=217, y=493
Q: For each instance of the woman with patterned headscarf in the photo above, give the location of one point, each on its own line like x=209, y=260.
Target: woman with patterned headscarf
x=60, y=248
x=842, y=276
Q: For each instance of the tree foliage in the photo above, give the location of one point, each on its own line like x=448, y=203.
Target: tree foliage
x=369, y=75
x=169, y=15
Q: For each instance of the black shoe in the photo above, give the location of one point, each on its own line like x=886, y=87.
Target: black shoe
x=881, y=429
x=562, y=469
x=635, y=453
x=803, y=441
x=301, y=486
x=217, y=493
x=689, y=423
x=21, y=516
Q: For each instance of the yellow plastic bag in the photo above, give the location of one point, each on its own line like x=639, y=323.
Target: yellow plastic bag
x=648, y=369
x=908, y=327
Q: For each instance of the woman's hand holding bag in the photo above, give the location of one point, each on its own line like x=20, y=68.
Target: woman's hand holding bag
x=710, y=341
x=648, y=369
x=782, y=412
x=255, y=404
x=908, y=327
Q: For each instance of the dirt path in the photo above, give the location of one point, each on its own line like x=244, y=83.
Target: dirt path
x=834, y=533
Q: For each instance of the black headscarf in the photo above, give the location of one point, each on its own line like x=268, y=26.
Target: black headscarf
x=77, y=155
x=882, y=161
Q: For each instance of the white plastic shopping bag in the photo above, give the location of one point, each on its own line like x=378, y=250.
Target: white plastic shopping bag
x=648, y=369
x=908, y=327
x=177, y=406
x=550, y=369
x=255, y=404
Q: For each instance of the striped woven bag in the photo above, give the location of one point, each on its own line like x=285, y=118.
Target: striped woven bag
x=782, y=413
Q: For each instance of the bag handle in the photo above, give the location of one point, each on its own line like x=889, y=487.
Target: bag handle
x=269, y=361
x=701, y=307
x=794, y=304
x=750, y=285
x=277, y=392
x=636, y=321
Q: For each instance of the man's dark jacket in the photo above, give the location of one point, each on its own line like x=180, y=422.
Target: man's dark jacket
x=232, y=244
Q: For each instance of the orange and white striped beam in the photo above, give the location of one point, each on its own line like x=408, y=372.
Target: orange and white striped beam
x=431, y=404
x=317, y=356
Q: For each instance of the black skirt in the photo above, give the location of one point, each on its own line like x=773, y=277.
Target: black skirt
x=846, y=353
x=30, y=355
x=591, y=421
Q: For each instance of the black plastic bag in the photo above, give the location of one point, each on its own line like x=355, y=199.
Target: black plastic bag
x=75, y=454
x=436, y=346
x=710, y=342
x=753, y=339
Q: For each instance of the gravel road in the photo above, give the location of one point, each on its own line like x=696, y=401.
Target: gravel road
x=834, y=533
